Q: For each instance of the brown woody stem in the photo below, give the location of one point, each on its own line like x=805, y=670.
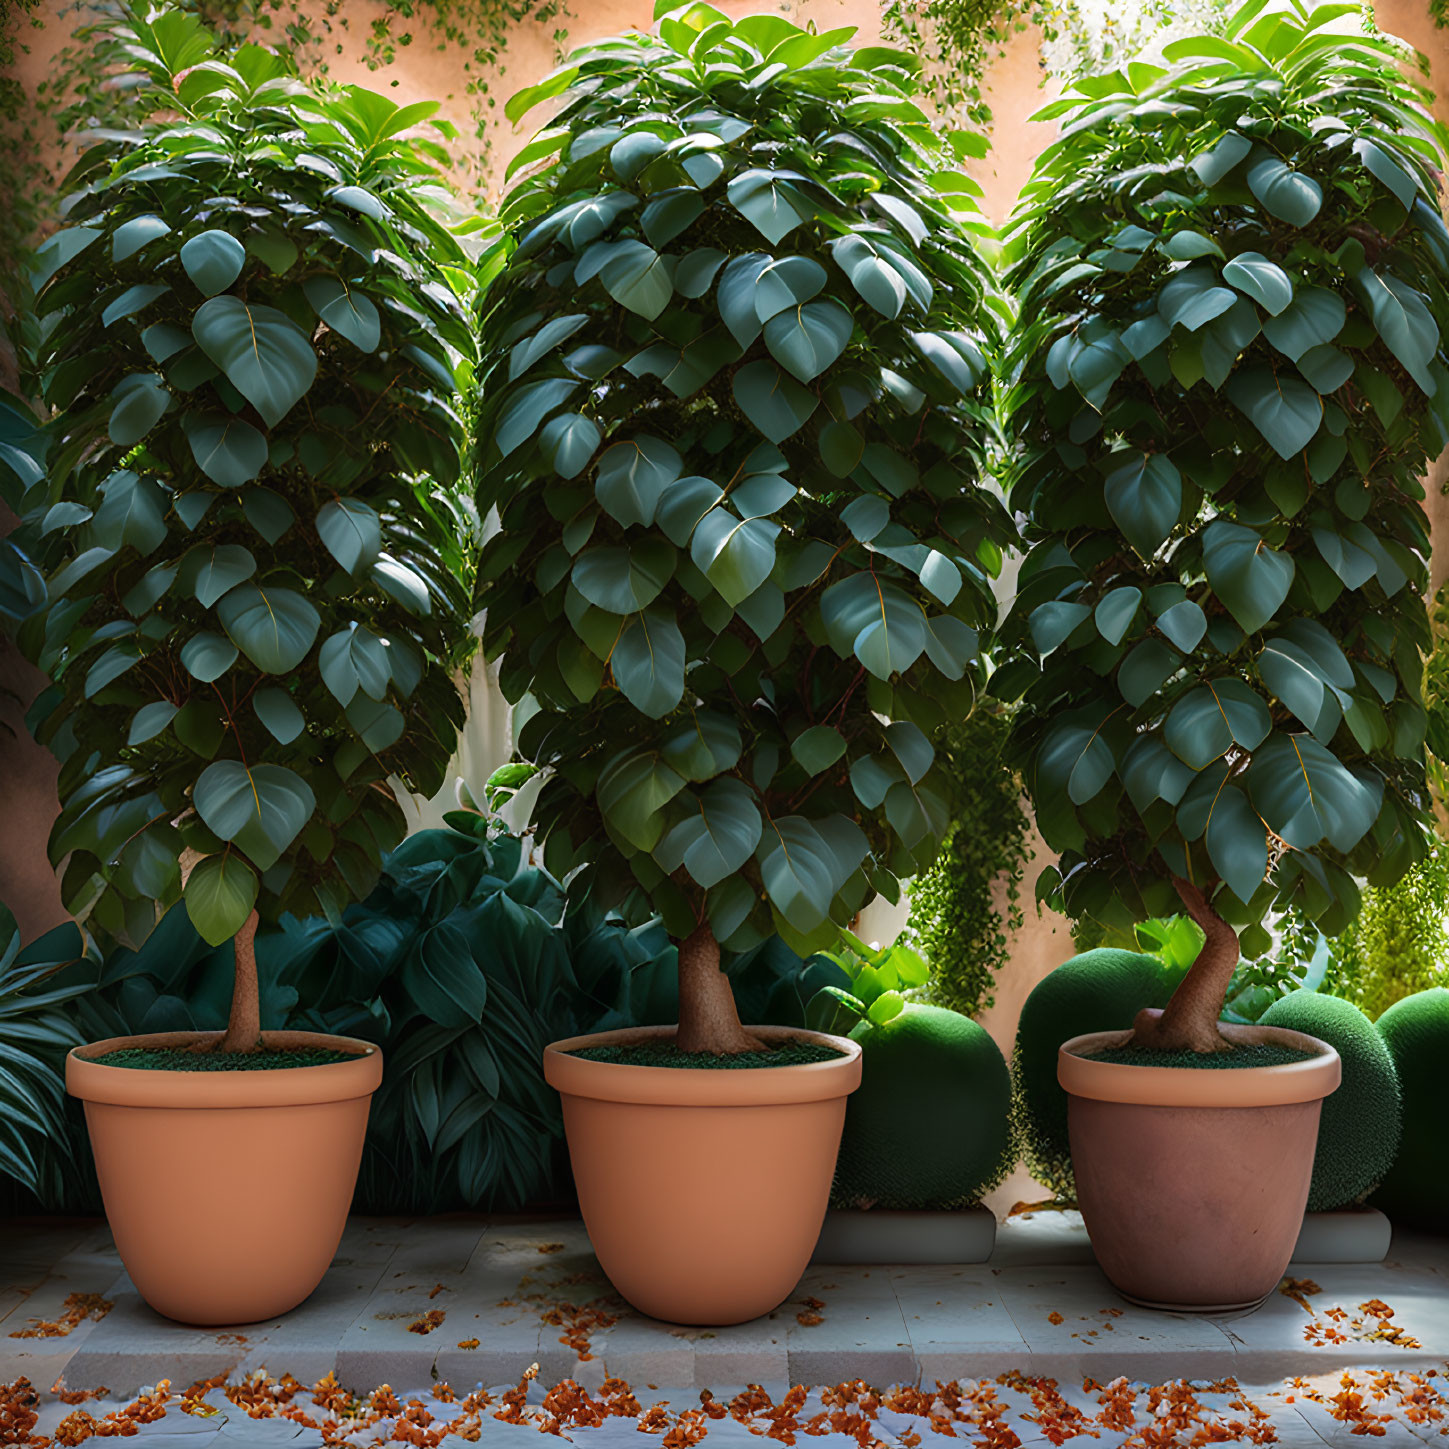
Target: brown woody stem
x=708, y=1019
x=1189, y=1022
x=244, y=1024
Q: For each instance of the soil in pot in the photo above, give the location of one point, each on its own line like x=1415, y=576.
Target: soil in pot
x=666, y=1054
x=1255, y=1054
x=184, y=1059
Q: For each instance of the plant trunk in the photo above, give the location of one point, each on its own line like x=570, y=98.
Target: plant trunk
x=708, y=1019
x=244, y=1025
x=1190, y=1020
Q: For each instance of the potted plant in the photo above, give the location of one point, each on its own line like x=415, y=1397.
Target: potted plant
x=1228, y=380
x=929, y=1076
x=731, y=406
x=258, y=574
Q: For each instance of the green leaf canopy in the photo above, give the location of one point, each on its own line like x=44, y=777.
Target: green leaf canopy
x=252, y=348
x=1227, y=378
x=732, y=414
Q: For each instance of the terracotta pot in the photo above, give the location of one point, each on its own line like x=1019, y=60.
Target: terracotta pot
x=1192, y=1180
x=703, y=1191
x=226, y=1192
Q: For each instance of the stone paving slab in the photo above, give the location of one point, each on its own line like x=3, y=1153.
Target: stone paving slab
x=467, y=1300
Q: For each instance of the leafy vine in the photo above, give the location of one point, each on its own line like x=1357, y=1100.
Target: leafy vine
x=954, y=918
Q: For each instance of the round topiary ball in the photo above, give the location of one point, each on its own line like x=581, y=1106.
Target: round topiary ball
x=1358, y=1132
x=930, y=1125
x=1101, y=990
x=1416, y=1187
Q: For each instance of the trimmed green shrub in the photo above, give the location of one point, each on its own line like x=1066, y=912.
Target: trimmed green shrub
x=1099, y=990
x=1416, y=1031
x=1358, y=1133
x=930, y=1125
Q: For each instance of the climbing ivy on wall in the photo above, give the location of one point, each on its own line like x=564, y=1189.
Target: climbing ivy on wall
x=954, y=920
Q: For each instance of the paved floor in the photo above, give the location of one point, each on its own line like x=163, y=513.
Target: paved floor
x=468, y=1301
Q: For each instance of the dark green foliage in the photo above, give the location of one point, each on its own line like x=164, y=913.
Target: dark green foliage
x=461, y=964
x=732, y=405
x=792, y=1054
x=181, y=1059
x=1101, y=990
x=37, y=1028
x=1358, y=1133
x=1416, y=1189
x=954, y=921
x=930, y=1124
x=258, y=556
x=1227, y=380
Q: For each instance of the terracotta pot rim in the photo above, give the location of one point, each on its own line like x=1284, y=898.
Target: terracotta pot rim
x=696, y=1087
x=1143, y=1086
x=92, y=1081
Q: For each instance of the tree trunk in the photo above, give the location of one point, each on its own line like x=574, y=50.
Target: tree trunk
x=708, y=1020
x=244, y=1025
x=1190, y=1020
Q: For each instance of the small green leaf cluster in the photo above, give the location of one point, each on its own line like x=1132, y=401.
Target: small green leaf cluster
x=251, y=335
x=879, y=978
x=735, y=392
x=1228, y=377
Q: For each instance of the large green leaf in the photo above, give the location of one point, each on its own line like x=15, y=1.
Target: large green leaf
x=1208, y=721
x=274, y=627
x=441, y=977
x=1314, y=317
x=228, y=450
x=263, y=353
x=354, y=659
x=717, y=840
x=638, y=278
x=632, y=477
x=705, y=747
x=261, y=809
x=1144, y=497
x=648, y=662
x=220, y=894
x=1076, y=758
x=1307, y=795
x=786, y=283
x=138, y=401
x=352, y=532
x=771, y=201
x=736, y=556
x=1264, y=281
x=624, y=578
x=1285, y=410
x=1285, y=193
x=773, y=401
x=347, y=311
x=213, y=260
x=802, y=869
x=874, y=619
x=223, y=566
x=632, y=792
x=808, y=338
x=1250, y=578
x=1404, y=321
